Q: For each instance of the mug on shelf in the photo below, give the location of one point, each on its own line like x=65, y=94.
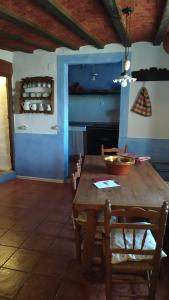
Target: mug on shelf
x=26, y=106
x=48, y=107
x=33, y=106
x=41, y=107
x=39, y=84
x=25, y=94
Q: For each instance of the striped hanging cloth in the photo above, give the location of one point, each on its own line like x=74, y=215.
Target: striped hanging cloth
x=142, y=105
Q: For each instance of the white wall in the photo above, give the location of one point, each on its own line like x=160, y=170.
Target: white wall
x=145, y=56
x=6, y=55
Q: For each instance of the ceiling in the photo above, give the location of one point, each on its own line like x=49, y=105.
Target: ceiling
x=27, y=25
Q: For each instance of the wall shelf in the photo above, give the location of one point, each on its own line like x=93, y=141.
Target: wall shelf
x=36, y=95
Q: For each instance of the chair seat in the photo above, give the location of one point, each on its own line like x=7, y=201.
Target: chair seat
x=133, y=266
x=117, y=241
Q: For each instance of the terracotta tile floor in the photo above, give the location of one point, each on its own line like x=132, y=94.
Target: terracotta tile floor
x=37, y=254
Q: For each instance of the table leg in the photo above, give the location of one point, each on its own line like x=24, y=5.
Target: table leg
x=88, y=247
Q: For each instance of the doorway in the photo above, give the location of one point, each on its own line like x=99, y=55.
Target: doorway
x=63, y=62
x=5, y=143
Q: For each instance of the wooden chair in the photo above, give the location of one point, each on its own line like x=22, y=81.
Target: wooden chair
x=113, y=150
x=79, y=222
x=127, y=248
x=79, y=165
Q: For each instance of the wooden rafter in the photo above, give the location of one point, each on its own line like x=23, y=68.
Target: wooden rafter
x=63, y=16
x=115, y=14
x=34, y=28
x=23, y=40
x=163, y=25
x=6, y=46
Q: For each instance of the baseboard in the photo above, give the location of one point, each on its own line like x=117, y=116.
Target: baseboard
x=41, y=179
x=7, y=176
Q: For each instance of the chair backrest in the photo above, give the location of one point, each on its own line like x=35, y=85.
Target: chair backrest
x=155, y=223
x=78, y=168
x=113, y=150
x=75, y=181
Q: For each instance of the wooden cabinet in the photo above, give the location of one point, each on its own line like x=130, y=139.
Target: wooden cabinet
x=36, y=95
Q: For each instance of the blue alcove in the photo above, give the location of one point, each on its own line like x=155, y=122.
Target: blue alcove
x=63, y=63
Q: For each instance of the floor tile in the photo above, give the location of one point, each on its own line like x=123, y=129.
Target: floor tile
x=2, y=231
x=37, y=237
x=13, y=238
x=63, y=247
x=10, y=282
x=6, y=222
x=52, y=265
x=50, y=228
x=39, y=242
x=67, y=232
x=5, y=253
x=25, y=225
x=23, y=260
x=39, y=288
x=58, y=215
x=72, y=290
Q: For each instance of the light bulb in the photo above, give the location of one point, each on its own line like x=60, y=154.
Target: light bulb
x=124, y=83
x=127, y=64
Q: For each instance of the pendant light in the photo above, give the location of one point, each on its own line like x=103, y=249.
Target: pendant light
x=124, y=77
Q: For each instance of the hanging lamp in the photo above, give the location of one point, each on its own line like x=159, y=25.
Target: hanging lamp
x=124, y=77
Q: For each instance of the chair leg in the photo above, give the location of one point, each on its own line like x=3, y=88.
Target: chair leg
x=78, y=241
x=152, y=290
x=108, y=282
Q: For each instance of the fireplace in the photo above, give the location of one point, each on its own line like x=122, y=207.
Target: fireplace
x=106, y=134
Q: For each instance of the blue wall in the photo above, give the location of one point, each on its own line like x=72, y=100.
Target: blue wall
x=46, y=155
x=94, y=108
x=83, y=75
x=83, y=108
x=39, y=155
x=63, y=62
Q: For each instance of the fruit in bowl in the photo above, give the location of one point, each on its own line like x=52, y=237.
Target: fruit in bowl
x=119, y=165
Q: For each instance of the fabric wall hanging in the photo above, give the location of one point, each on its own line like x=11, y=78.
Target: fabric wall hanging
x=142, y=104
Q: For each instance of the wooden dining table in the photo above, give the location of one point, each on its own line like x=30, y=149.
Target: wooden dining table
x=142, y=187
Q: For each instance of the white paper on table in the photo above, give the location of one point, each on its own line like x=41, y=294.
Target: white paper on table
x=106, y=184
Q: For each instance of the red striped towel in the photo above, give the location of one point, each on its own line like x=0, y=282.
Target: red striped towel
x=142, y=105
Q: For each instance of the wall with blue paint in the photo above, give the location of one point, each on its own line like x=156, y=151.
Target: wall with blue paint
x=83, y=74
x=37, y=155
x=82, y=108
x=38, y=148
x=42, y=151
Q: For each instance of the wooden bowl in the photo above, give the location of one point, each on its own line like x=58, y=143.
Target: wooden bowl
x=118, y=165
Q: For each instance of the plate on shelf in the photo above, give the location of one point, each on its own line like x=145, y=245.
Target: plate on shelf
x=37, y=89
x=45, y=94
x=25, y=95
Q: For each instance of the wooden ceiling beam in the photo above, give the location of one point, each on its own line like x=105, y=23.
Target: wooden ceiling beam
x=6, y=46
x=34, y=28
x=163, y=25
x=54, y=8
x=115, y=14
x=21, y=39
